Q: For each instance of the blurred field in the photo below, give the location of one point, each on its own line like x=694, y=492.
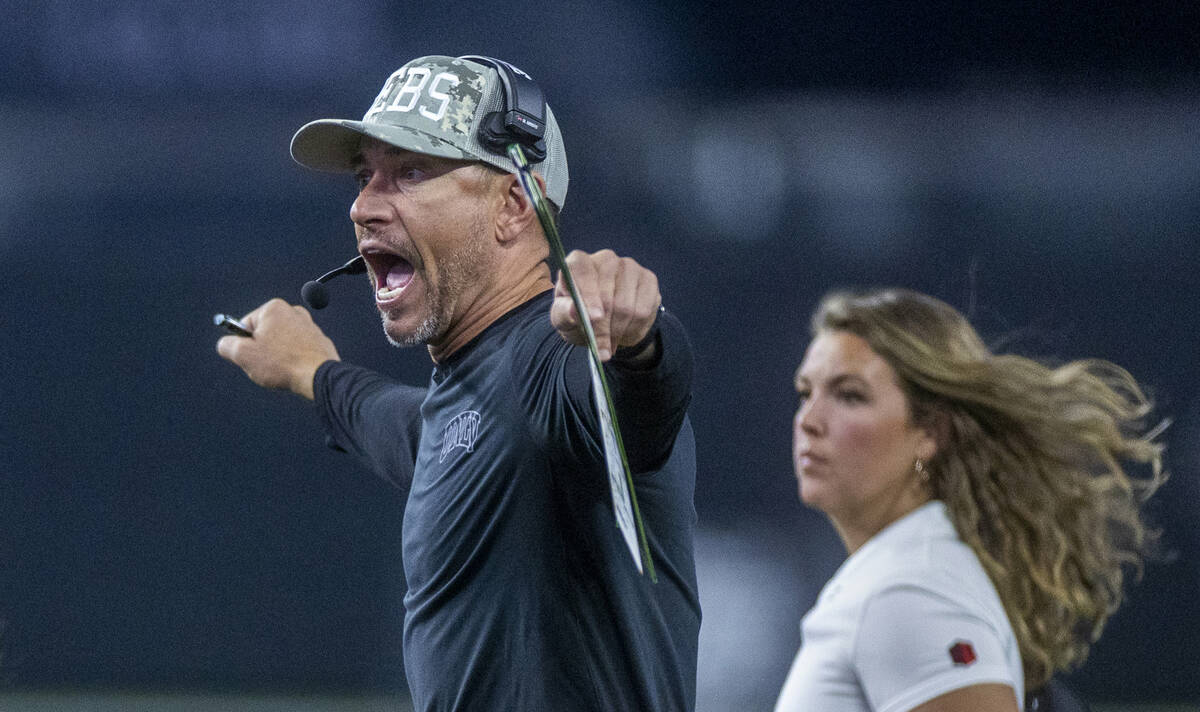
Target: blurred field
x=138, y=702
x=156, y=702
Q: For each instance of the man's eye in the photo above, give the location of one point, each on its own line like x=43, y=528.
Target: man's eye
x=410, y=173
x=362, y=178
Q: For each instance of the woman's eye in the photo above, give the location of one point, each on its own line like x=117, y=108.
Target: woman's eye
x=852, y=397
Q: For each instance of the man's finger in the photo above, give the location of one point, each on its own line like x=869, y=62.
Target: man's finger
x=646, y=303
x=254, y=318
x=586, y=278
x=226, y=345
x=563, y=315
x=608, y=267
x=625, y=303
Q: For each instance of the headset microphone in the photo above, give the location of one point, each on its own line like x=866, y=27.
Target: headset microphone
x=314, y=293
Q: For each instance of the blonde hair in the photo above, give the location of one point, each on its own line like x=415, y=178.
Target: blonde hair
x=1029, y=465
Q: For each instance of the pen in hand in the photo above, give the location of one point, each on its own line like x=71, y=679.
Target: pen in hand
x=231, y=325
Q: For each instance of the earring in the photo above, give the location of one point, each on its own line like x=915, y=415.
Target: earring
x=919, y=466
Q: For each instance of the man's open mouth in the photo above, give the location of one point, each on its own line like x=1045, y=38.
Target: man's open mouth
x=392, y=273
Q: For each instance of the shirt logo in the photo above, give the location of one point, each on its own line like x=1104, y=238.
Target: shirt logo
x=461, y=431
x=962, y=653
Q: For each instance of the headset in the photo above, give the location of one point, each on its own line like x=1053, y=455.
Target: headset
x=522, y=120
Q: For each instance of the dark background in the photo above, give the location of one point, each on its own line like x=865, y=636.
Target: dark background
x=166, y=525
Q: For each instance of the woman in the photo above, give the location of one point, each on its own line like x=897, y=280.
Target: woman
x=982, y=501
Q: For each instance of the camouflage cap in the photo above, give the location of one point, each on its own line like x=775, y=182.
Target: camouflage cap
x=432, y=105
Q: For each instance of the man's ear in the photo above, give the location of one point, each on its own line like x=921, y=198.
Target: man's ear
x=516, y=212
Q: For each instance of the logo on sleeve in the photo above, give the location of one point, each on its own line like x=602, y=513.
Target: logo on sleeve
x=962, y=653
x=461, y=431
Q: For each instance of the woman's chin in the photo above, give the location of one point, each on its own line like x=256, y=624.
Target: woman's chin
x=810, y=492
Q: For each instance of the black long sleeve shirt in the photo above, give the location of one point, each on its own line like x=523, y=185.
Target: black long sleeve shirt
x=522, y=593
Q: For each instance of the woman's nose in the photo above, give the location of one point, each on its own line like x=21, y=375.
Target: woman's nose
x=808, y=416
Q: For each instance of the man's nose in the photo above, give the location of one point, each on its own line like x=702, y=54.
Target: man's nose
x=370, y=206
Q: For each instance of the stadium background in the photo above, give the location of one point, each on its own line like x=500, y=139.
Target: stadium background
x=171, y=534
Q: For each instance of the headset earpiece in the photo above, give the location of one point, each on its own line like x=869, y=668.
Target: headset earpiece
x=498, y=129
x=522, y=120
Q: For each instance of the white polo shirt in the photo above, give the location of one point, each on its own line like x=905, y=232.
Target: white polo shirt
x=909, y=616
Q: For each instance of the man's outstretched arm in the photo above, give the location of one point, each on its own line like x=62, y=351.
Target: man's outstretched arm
x=284, y=350
x=648, y=358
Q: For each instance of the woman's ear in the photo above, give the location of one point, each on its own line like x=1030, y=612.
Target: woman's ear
x=935, y=434
x=516, y=210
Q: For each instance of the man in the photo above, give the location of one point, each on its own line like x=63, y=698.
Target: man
x=522, y=593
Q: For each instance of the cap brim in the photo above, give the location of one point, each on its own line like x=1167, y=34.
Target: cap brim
x=334, y=144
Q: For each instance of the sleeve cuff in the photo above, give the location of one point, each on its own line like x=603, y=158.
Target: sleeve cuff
x=653, y=336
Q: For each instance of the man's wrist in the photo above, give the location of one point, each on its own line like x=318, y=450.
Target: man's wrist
x=645, y=350
x=304, y=381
